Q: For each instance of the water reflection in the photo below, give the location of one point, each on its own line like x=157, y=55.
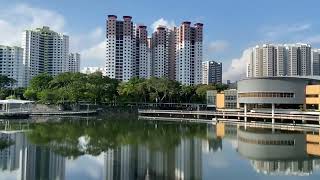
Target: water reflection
x=29, y=161
x=276, y=153
x=133, y=149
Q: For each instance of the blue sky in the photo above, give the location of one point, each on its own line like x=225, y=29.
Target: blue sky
x=231, y=26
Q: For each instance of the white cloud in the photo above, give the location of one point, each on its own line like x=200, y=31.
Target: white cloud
x=94, y=56
x=15, y=19
x=162, y=22
x=286, y=29
x=79, y=42
x=218, y=46
x=238, y=67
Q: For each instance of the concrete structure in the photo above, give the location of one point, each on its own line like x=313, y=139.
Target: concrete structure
x=171, y=53
x=189, y=42
x=11, y=64
x=142, y=65
x=274, y=92
x=313, y=97
x=44, y=51
x=160, y=46
x=74, y=62
x=223, y=100
x=120, y=48
x=270, y=60
x=212, y=98
x=211, y=72
x=163, y=52
x=127, y=49
x=315, y=56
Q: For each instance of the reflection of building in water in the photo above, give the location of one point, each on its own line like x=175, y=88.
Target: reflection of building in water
x=9, y=157
x=277, y=152
x=213, y=143
x=41, y=163
x=142, y=162
x=294, y=167
x=119, y=163
x=30, y=161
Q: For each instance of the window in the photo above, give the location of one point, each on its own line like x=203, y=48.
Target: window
x=267, y=94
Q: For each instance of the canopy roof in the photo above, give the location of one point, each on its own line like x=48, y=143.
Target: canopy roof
x=15, y=101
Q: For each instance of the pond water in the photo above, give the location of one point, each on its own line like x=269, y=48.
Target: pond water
x=103, y=149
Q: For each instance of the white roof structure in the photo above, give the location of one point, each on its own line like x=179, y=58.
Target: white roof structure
x=15, y=101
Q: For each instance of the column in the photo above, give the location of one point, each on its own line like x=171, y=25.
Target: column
x=272, y=113
x=245, y=112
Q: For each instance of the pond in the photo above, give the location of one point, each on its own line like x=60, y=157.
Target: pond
x=127, y=149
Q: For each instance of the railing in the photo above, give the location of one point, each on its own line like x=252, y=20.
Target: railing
x=235, y=114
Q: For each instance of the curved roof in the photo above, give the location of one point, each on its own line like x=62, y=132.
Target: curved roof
x=14, y=101
x=286, y=77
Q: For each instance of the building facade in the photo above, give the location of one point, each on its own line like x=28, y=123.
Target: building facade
x=142, y=66
x=222, y=100
x=11, y=64
x=211, y=72
x=315, y=56
x=189, y=40
x=270, y=60
x=120, y=48
x=160, y=47
x=44, y=51
x=74, y=62
x=170, y=53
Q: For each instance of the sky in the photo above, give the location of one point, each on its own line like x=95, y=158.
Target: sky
x=230, y=26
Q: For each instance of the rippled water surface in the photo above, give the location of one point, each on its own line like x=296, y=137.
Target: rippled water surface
x=104, y=149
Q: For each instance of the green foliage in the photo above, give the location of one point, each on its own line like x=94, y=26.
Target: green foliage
x=6, y=88
x=95, y=88
x=5, y=81
x=71, y=88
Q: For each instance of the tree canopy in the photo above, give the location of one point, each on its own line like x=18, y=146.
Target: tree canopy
x=95, y=88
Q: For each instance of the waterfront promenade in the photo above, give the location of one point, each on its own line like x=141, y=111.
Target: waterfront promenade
x=303, y=118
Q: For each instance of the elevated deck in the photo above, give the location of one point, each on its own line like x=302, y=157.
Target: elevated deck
x=303, y=118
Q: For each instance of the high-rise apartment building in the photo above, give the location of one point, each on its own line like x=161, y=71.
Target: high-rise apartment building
x=304, y=52
x=11, y=64
x=74, y=62
x=44, y=51
x=315, y=56
x=189, y=40
x=171, y=53
x=211, y=72
x=280, y=60
x=160, y=52
x=142, y=65
x=120, y=51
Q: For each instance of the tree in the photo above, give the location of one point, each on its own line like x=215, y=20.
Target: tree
x=186, y=93
x=202, y=89
x=5, y=81
x=40, y=82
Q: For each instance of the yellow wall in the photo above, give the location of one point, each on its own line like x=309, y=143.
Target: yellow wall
x=313, y=149
x=313, y=138
x=313, y=90
x=313, y=144
x=220, y=100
